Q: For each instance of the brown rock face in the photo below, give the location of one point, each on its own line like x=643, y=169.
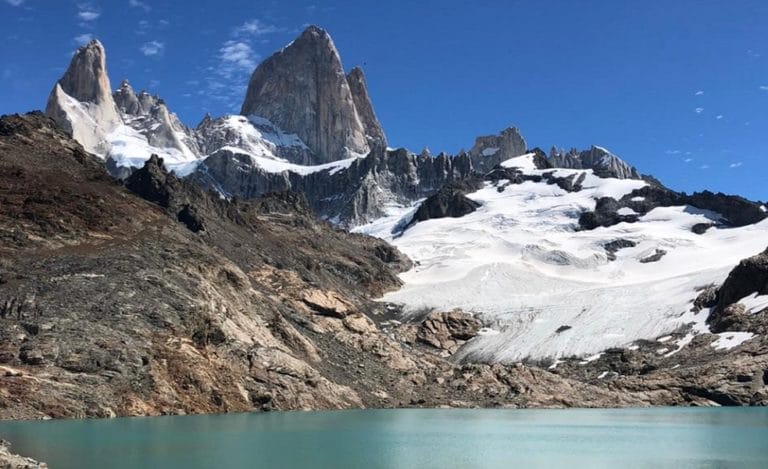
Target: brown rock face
x=448, y=330
x=303, y=90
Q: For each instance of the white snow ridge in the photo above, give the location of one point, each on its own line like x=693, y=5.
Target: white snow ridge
x=519, y=263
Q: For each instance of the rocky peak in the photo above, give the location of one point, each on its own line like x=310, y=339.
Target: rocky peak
x=152, y=182
x=149, y=115
x=86, y=78
x=303, y=90
x=83, y=95
x=601, y=161
x=491, y=150
x=126, y=99
x=359, y=88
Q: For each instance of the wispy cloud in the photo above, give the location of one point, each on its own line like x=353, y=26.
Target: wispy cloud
x=237, y=55
x=255, y=27
x=698, y=93
x=719, y=116
x=699, y=110
x=139, y=4
x=152, y=48
x=735, y=165
x=226, y=78
x=672, y=152
x=14, y=3
x=83, y=39
x=763, y=87
x=688, y=160
x=142, y=27
x=88, y=12
x=704, y=166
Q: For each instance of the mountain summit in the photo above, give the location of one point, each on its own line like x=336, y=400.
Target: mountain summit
x=303, y=90
x=85, y=82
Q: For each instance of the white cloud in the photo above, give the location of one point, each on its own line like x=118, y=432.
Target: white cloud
x=763, y=87
x=699, y=110
x=238, y=54
x=255, y=27
x=152, y=48
x=736, y=164
x=139, y=4
x=14, y=3
x=688, y=160
x=83, y=39
x=698, y=93
x=704, y=166
x=719, y=116
x=88, y=15
x=672, y=152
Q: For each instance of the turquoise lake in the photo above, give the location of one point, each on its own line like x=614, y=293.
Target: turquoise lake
x=659, y=437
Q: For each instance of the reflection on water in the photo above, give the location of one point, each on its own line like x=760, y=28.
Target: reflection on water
x=670, y=437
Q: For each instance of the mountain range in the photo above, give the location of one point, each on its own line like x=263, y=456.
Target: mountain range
x=289, y=258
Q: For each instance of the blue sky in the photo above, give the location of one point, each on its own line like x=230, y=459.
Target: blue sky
x=677, y=88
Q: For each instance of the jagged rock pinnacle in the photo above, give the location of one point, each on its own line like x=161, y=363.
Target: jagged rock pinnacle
x=85, y=81
x=359, y=88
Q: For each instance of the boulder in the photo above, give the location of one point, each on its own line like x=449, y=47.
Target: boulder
x=447, y=330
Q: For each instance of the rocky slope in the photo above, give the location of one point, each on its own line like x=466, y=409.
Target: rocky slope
x=158, y=298
x=179, y=302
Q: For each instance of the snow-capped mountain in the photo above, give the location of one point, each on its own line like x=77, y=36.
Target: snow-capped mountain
x=563, y=254
x=548, y=287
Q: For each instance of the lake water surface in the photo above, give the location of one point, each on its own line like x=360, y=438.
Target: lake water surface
x=660, y=437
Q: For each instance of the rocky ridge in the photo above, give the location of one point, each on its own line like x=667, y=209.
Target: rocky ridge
x=301, y=108
x=158, y=298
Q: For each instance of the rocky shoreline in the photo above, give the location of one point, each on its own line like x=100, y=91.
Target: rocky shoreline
x=8, y=460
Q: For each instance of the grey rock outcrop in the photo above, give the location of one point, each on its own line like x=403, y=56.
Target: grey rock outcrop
x=150, y=116
x=14, y=461
x=303, y=90
x=491, y=150
x=727, y=314
x=598, y=159
x=349, y=197
x=359, y=88
x=83, y=96
x=260, y=138
x=449, y=201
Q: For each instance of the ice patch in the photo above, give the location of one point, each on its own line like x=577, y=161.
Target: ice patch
x=272, y=165
x=524, y=162
x=626, y=211
x=755, y=303
x=729, y=340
